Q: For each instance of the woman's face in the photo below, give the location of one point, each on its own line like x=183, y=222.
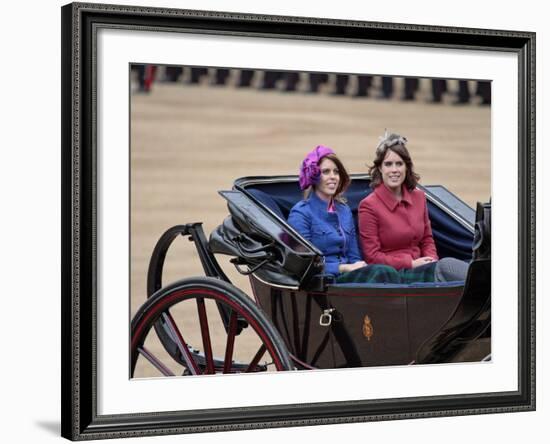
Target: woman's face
x=329, y=180
x=393, y=170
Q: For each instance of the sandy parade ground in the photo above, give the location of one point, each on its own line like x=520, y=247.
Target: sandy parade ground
x=189, y=141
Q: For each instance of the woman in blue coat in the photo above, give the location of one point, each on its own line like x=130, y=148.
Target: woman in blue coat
x=324, y=219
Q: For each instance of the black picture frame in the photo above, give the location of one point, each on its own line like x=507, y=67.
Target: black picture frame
x=80, y=419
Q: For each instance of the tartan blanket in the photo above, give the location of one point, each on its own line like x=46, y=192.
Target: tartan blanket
x=385, y=274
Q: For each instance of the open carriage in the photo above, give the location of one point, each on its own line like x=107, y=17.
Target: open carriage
x=300, y=317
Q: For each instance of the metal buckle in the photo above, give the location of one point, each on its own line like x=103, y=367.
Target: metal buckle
x=326, y=318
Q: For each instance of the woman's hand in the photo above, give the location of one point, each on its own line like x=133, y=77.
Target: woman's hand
x=345, y=268
x=422, y=261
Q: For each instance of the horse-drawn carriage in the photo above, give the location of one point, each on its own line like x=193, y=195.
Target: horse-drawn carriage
x=299, y=316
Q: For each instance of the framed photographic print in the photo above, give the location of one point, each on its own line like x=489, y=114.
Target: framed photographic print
x=277, y=221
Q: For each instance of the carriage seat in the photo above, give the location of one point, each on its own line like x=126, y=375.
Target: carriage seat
x=286, y=197
x=451, y=238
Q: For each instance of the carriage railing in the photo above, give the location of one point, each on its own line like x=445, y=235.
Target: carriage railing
x=209, y=263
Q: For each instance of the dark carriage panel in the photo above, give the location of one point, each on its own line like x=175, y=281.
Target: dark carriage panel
x=372, y=327
x=466, y=336
x=295, y=315
x=387, y=324
x=369, y=326
x=428, y=313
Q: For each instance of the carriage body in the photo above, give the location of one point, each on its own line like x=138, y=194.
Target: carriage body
x=324, y=324
x=357, y=325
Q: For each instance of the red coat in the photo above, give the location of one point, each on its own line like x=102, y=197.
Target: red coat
x=392, y=232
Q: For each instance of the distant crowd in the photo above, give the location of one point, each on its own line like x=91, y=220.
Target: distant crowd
x=457, y=92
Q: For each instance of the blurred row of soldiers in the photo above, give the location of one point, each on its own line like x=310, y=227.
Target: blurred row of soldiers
x=289, y=81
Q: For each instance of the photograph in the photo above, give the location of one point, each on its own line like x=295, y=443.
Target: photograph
x=274, y=221
x=286, y=220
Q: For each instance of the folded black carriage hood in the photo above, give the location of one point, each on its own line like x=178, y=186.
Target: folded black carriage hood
x=257, y=238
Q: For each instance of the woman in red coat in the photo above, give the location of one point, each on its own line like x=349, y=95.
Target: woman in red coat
x=394, y=226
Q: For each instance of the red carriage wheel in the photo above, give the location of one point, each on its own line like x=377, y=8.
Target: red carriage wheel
x=201, y=342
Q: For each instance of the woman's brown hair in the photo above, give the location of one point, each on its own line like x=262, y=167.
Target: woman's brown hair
x=343, y=184
x=398, y=144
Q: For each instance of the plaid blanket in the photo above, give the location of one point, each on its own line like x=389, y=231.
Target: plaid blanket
x=424, y=273
x=371, y=274
x=388, y=275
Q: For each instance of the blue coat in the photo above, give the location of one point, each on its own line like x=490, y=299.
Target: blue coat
x=331, y=232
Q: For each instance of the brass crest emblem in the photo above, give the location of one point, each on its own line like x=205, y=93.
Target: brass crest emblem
x=368, y=330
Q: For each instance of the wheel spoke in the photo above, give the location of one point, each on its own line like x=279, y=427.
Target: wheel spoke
x=231, y=332
x=159, y=313
x=182, y=346
x=155, y=361
x=205, y=337
x=256, y=359
x=167, y=329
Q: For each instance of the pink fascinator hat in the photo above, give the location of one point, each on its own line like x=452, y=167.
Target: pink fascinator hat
x=309, y=171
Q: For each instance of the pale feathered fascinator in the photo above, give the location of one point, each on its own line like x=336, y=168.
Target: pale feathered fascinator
x=388, y=140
